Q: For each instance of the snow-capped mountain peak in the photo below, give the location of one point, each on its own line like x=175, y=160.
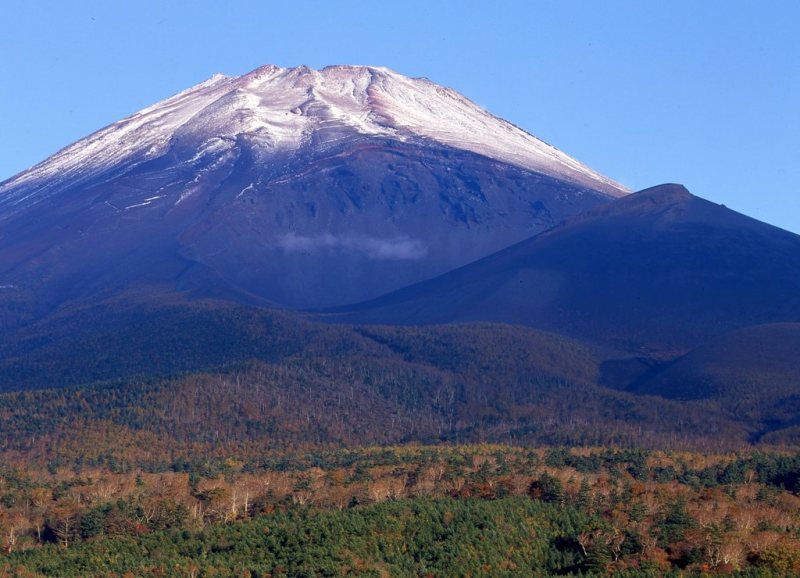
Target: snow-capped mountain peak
x=300, y=187
x=282, y=109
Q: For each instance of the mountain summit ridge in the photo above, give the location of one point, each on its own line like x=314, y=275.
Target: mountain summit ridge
x=286, y=108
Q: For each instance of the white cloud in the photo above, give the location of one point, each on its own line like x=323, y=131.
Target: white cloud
x=396, y=248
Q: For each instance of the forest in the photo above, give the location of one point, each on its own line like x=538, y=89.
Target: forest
x=209, y=377
x=273, y=445
x=479, y=510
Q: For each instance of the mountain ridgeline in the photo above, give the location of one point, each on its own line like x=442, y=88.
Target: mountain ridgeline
x=348, y=256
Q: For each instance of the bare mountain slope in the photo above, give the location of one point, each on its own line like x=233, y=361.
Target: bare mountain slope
x=298, y=187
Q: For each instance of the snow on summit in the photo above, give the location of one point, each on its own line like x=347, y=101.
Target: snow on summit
x=281, y=110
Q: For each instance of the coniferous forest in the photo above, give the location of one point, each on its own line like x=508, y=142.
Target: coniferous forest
x=477, y=510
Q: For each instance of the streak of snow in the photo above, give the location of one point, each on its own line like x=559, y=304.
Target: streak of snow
x=192, y=186
x=146, y=202
x=244, y=190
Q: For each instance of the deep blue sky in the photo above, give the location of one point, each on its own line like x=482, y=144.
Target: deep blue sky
x=706, y=93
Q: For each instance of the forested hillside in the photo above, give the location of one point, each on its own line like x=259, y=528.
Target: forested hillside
x=247, y=376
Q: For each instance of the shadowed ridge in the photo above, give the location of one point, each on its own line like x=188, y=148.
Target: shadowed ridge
x=665, y=191
x=651, y=200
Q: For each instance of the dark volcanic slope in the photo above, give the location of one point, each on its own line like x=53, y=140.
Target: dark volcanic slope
x=659, y=268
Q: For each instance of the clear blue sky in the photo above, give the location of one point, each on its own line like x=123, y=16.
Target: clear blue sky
x=706, y=93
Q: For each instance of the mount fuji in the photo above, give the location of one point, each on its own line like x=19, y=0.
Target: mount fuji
x=289, y=186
